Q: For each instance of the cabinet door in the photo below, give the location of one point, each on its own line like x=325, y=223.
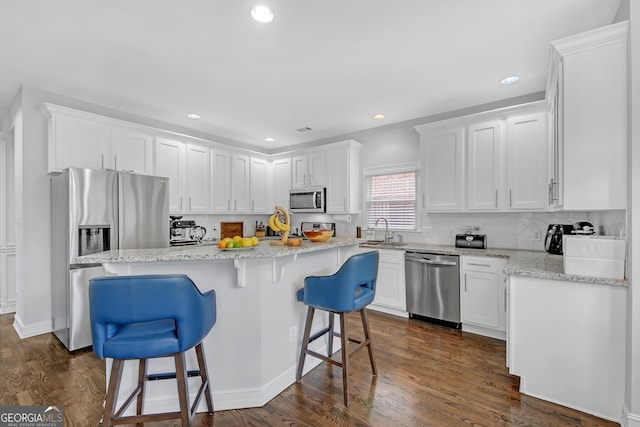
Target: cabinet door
x=282, y=181
x=198, y=179
x=131, y=151
x=595, y=128
x=75, y=142
x=240, y=184
x=260, y=191
x=337, y=181
x=527, y=162
x=442, y=161
x=170, y=163
x=221, y=186
x=390, y=286
x=300, y=171
x=317, y=168
x=484, y=143
x=481, y=293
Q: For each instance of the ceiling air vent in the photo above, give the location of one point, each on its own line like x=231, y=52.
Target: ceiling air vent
x=304, y=129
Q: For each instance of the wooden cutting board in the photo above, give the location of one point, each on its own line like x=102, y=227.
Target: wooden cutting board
x=230, y=229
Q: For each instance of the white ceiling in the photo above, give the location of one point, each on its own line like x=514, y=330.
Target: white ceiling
x=326, y=64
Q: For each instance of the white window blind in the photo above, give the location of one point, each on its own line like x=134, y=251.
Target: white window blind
x=391, y=195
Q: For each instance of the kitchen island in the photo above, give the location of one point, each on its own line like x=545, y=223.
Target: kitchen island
x=253, y=348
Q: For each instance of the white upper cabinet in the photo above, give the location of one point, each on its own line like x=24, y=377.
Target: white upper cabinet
x=527, y=162
x=281, y=181
x=171, y=163
x=221, y=185
x=85, y=140
x=261, y=199
x=344, y=177
x=131, y=151
x=198, y=179
x=240, y=184
x=591, y=123
x=484, y=145
x=309, y=169
x=442, y=173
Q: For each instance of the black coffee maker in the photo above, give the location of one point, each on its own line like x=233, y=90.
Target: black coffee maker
x=553, y=239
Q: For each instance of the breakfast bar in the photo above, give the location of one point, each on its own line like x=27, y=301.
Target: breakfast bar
x=252, y=351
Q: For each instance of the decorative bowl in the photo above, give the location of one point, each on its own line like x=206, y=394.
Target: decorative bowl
x=318, y=235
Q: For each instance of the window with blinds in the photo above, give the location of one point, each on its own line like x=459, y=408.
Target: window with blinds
x=391, y=195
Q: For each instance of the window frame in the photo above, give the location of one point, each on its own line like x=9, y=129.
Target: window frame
x=390, y=170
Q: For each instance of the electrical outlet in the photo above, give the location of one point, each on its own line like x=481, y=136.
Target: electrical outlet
x=536, y=235
x=292, y=334
x=428, y=231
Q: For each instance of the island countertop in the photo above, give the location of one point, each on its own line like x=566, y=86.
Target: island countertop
x=211, y=252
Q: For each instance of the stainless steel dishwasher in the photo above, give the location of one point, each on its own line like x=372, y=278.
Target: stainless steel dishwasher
x=433, y=287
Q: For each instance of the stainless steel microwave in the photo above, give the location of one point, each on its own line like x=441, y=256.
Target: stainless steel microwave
x=310, y=199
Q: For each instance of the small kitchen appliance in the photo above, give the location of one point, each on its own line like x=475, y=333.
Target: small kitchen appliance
x=472, y=241
x=553, y=239
x=185, y=232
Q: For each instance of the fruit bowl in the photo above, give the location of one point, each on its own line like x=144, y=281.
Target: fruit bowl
x=318, y=235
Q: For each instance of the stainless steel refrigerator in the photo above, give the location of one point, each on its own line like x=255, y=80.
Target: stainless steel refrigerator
x=94, y=211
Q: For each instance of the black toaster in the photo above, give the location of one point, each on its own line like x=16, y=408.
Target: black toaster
x=473, y=241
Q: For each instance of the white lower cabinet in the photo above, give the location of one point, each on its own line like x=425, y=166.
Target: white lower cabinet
x=483, y=296
x=390, y=286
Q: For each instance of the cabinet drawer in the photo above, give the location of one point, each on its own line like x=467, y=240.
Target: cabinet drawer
x=482, y=264
x=391, y=256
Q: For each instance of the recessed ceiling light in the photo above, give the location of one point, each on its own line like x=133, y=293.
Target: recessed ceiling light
x=269, y=139
x=193, y=116
x=262, y=14
x=378, y=117
x=509, y=80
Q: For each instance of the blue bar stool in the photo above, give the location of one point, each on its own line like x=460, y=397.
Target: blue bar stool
x=352, y=288
x=143, y=317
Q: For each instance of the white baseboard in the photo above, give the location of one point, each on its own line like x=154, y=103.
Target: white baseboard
x=26, y=331
x=487, y=332
x=629, y=419
x=388, y=310
x=8, y=306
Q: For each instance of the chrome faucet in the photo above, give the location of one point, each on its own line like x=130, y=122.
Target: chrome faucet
x=386, y=228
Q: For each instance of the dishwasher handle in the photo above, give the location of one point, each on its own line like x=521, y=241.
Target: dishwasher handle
x=428, y=261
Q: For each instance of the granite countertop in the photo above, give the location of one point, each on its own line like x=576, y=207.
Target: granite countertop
x=209, y=251
x=537, y=264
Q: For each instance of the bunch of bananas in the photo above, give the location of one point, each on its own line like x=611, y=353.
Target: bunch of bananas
x=276, y=224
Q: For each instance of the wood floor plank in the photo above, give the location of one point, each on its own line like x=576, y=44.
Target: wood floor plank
x=428, y=375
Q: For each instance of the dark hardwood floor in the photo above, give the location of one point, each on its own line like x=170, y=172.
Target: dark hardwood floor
x=428, y=375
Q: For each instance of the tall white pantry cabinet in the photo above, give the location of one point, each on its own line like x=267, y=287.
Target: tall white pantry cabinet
x=7, y=226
